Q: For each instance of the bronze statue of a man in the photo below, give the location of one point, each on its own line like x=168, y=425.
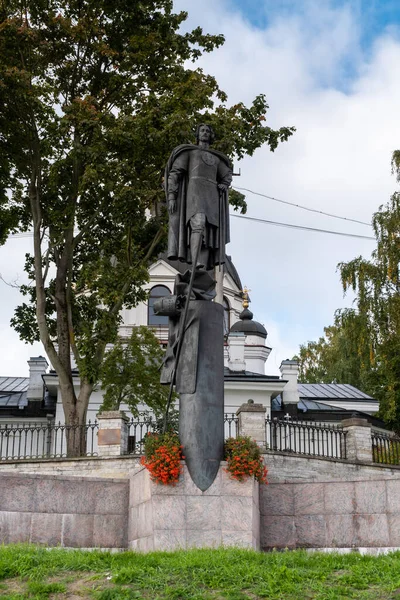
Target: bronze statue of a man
x=196, y=184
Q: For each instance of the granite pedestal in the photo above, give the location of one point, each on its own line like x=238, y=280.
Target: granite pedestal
x=164, y=517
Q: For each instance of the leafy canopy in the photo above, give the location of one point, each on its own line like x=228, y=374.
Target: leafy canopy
x=363, y=345
x=131, y=373
x=94, y=95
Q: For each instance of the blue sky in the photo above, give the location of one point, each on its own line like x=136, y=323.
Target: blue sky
x=374, y=15
x=372, y=19
x=330, y=69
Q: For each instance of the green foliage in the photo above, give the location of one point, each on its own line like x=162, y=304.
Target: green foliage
x=153, y=441
x=237, y=200
x=162, y=457
x=131, y=373
x=377, y=285
x=244, y=459
x=43, y=590
x=363, y=345
x=386, y=451
x=340, y=356
x=229, y=574
x=93, y=98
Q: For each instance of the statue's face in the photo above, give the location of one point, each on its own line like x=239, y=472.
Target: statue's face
x=204, y=134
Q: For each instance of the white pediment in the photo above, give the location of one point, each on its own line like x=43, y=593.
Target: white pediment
x=161, y=269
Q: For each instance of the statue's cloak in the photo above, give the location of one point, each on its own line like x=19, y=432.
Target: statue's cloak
x=178, y=234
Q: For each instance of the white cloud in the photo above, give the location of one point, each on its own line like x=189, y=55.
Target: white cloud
x=312, y=70
x=344, y=104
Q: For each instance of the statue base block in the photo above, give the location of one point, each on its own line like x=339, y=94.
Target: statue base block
x=164, y=517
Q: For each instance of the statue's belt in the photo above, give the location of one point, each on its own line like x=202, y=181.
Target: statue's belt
x=205, y=179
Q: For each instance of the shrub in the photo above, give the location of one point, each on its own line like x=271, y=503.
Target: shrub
x=162, y=456
x=244, y=459
x=386, y=452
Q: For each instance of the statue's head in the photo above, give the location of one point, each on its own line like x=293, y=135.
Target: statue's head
x=204, y=133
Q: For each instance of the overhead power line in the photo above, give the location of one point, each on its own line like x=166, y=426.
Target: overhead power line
x=22, y=234
x=266, y=222
x=314, y=210
x=289, y=225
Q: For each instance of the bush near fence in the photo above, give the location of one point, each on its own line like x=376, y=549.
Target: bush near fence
x=385, y=448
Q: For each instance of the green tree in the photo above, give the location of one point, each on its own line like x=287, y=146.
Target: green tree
x=363, y=346
x=131, y=373
x=341, y=355
x=377, y=285
x=93, y=96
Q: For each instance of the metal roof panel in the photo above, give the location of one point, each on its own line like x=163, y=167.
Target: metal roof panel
x=13, y=384
x=324, y=391
x=14, y=400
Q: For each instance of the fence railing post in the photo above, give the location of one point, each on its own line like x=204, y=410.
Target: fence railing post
x=113, y=433
x=252, y=421
x=50, y=428
x=357, y=439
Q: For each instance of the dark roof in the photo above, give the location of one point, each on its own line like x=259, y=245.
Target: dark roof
x=311, y=411
x=231, y=270
x=311, y=395
x=332, y=391
x=248, y=326
x=13, y=385
x=237, y=375
x=14, y=400
x=304, y=405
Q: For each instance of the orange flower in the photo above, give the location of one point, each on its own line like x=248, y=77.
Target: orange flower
x=244, y=459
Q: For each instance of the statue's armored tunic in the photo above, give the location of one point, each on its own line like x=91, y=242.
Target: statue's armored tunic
x=192, y=177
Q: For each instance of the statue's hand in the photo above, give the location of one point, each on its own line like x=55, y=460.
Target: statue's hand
x=222, y=188
x=171, y=206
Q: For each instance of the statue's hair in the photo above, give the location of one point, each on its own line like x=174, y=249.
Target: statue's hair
x=212, y=138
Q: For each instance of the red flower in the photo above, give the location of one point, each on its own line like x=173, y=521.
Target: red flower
x=244, y=459
x=163, y=455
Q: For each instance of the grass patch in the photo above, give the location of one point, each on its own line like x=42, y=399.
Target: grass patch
x=28, y=572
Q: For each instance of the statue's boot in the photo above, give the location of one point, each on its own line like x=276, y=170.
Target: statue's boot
x=196, y=240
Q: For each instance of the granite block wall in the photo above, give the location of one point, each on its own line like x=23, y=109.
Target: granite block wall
x=168, y=518
x=316, y=503
x=95, y=466
x=111, y=503
x=54, y=510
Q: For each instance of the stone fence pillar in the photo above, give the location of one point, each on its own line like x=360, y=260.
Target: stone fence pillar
x=252, y=421
x=113, y=433
x=358, y=439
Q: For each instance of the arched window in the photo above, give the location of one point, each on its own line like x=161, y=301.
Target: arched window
x=156, y=292
x=227, y=319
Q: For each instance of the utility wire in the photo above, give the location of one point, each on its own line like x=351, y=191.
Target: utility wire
x=22, y=234
x=289, y=225
x=267, y=222
x=314, y=210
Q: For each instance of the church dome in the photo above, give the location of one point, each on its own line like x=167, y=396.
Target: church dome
x=246, y=324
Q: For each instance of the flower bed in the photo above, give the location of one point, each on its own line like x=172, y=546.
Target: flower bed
x=244, y=459
x=162, y=456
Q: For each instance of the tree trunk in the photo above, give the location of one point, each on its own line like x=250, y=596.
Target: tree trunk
x=75, y=411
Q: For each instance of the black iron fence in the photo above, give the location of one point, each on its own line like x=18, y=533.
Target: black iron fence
x=146, y=423
x=305, y=437
x=385, y=448
x=51, y=440
x=19, y=441
x=139, y=427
